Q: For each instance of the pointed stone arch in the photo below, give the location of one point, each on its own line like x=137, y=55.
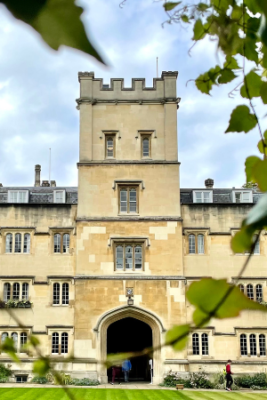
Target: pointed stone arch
x=130, y=312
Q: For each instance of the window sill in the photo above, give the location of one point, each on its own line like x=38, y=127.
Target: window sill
x=129, y=215
x=17, y=254
x=129, y=272
x=60, y=305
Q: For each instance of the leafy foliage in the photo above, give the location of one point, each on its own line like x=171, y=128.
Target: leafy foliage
x=39, y=379
x=248, y=381
x=57, y=21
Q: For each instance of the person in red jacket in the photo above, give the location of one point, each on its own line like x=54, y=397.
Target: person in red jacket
x=229, y=379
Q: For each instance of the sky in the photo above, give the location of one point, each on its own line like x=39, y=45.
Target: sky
x=38, y=88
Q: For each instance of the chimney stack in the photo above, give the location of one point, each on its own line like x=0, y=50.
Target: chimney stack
x=37, y=181
x=209, y=183
x=45, y=184
x=53, y=184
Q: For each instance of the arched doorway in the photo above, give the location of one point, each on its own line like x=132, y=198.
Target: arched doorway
x=131, y=335
x=119, y=314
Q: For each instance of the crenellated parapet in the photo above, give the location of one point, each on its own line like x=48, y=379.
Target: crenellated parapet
x=93, y=90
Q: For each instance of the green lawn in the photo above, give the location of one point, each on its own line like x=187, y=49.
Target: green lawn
x=120, y=394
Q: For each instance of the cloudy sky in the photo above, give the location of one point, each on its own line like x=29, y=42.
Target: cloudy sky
x=38, y=88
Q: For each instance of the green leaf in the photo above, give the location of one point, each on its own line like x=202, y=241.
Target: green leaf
x=209, y=296
x=248, y=47
x=199, y=31
x=227, y=76
x=249, y=165
x=41, y=366
x=263, y=148
x=185, y=18
x=260, y=174
x=231, y=63
x=171, y=5
x=202, y=7
x=57, y=21
x=252, y=87
x=205, y=81
x=241, y=242
x=241, y=120
x=252, y=6
x=221, y=5
x=258, y=214
x=9, y=347
x=263, y=92
x=177, y=336
x=34, y=341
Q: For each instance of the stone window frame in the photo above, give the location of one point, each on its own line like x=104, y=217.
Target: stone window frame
x=63, y=197
x=60, y=330
x=128, y=186
x=108, y=135
x=129, y=242
x=247, y=348
x=10, y=331
x=146, y=135
x=243, y=286
x=11, y=282
x=196, y=232
x=210, y=191
x=61, y=232
x=60, y=283
x=258, y=253
x=14, y=231
x=199, y=335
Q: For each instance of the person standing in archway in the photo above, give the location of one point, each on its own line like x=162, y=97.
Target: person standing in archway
x=116, y=371
x=126, y=368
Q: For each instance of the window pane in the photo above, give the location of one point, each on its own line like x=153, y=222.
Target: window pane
x=119, y=257
x=238, y=197
x=253, y=345
x=110, y=147
x=145, y=147
x=259, y=293
x=18, y=243
x=64, y=343
x=9, y=241
x=4, y=336
x=243, y=345
x=192, y=244
x=199, y=197
x=26, y=243
x=25, y=291
x=250, y=293
x=132, y=200
x=22, y=197
x=200, y=244
x=257, y=246
x=55, y=343
x=16, y=291
x=246, y=197
x=138, y=257
x=205, y=344
x=7, y=291
x=262, y=345
x=241, y=288
x=14, y=337
x=59, y=196
x=207, y=197
x=56, y=293
x=23, y=341
x=65, y=293
x=195, y=343
x=128, y=257
x=66, y=243
x=57, y=243
x=123, y=200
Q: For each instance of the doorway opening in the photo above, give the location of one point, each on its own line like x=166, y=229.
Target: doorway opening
x=130, y=335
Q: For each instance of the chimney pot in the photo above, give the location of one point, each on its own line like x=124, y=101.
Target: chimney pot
x=1, y=185
x=209, y=183
x=45, y=184
x=37, y=180
x=53, y=184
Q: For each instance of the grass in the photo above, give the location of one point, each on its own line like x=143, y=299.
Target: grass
x=120, y=394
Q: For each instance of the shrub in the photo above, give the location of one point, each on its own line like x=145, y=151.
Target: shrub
x=3, y=379
x=4, y=373
x=200, y=380
x=39, y=379
x=247, y=381
x=172, y=378
x=83, y=382
x=258, y=387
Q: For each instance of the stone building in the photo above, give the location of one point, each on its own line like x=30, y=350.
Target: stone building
x=107, y=265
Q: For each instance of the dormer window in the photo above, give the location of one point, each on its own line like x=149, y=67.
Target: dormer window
x=18, y=196
x=59, y=196
x=242, y=196
x=202, y=196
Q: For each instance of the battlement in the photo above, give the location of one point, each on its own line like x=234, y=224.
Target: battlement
x=93, y=90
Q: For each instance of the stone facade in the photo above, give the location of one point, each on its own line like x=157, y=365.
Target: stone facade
x=78, y=252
